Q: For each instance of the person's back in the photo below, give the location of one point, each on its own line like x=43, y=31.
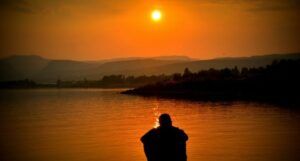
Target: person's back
x=166, y=143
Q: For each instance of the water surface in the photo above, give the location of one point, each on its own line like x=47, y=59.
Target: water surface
x=103, y=125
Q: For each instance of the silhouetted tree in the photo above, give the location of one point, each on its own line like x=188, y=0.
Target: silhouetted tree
x=276, y=81
x=187, y=73
x=176, y=76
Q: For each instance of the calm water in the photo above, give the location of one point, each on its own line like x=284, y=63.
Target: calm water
x=102, y=125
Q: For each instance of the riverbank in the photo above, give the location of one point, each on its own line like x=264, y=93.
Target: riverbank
x=278, y=82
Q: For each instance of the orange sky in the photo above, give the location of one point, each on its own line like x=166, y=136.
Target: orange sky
x=98, y=29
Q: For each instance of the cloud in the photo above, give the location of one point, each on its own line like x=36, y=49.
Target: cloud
x=46, y=6
x=276, y=5
x=119, y=6
x=254, y=5
x=262, y=5
x=22, y=6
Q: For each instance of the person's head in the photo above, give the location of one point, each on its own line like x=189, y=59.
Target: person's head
x=165, y=120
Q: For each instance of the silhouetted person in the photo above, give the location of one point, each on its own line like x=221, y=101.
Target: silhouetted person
x=165, y=143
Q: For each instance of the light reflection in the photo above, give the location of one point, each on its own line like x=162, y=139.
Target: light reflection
x=156, y=114
x=53, y=125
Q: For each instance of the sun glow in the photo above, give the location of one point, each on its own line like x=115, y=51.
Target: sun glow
x=156, y=15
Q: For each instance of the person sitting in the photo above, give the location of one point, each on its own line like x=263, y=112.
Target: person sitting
x=165, y=143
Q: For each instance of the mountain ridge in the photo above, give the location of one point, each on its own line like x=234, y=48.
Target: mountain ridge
x=48, y=71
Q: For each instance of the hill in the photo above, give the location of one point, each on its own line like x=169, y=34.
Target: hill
x=219, y=63
x=44, y=70
x=277, y=82
x=20, y=67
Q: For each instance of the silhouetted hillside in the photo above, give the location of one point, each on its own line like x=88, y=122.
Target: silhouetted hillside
x=133, y=67
x=20, y=67
x=48, y=71
x=278, y=81
x=64, y=69
x=8, y=72
x=219, y=63
x=177, y=58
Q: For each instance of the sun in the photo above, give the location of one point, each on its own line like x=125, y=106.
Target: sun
x=156, y=15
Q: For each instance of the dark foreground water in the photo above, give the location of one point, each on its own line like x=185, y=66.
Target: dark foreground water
x=102, y=125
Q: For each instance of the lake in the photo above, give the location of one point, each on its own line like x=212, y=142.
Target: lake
x=103, y=125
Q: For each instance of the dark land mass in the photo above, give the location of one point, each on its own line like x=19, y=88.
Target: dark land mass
x=277, y=82
x=111, y=81
x=47, y=71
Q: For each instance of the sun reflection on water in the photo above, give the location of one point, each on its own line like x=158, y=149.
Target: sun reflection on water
x=156, y=114
x=96, y=124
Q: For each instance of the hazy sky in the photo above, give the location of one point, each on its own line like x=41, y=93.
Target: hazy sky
x=97, y=29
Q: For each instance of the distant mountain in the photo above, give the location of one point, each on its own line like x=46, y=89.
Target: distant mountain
x=75, y=70
x=20, y=67
x=65, y=70
x=219, y=63
x=175, y=58
x=8, y=72
x=122, y=67
x=48, y=71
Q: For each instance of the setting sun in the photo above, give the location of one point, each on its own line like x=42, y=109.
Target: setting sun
x=156, y=15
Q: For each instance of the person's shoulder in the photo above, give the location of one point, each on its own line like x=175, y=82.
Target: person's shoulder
x=152, y=131
x=181, y=133
x=178, y=129
x=149, y=134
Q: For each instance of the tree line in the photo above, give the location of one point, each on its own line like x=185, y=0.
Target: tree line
x=282, y=72
x=113, y=81
x=110, y=81
x=275, y=81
